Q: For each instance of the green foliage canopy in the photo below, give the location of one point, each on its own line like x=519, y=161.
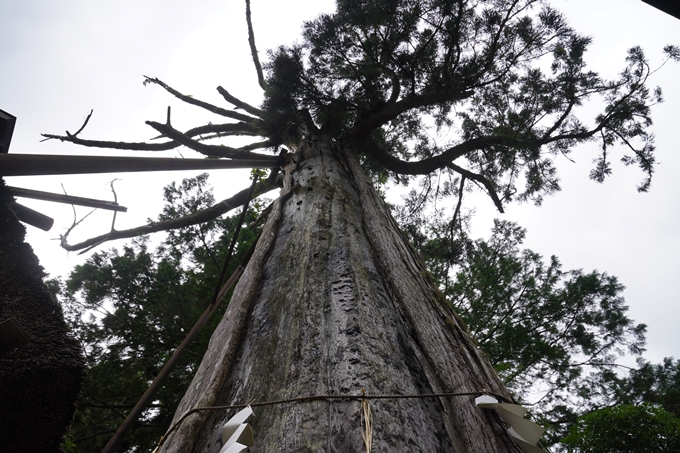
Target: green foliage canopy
x=626, y=429
x=536, y=321
x=464, y=94
x=506, y=76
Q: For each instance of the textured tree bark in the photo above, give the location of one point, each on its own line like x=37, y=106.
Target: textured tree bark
x=39, y=380
x=335, y=300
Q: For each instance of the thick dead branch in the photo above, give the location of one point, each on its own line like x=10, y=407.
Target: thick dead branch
x=48, y=164
x=210, y=150
x=225, y=129
x=204, y=215
x=253, y=49
x=428, y=165
x=202, y=104
x=238, y=103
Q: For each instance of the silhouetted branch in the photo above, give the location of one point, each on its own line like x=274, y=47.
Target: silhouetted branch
x=226, y=129
x=393, y=110
x=76, y=222
x=87, y=120
x=481, y=179
x=238, y=103
x=431, y=164
x=213, y=150
x=198, y=217
x=202, y=104
x=253, y=49
x=456, y=212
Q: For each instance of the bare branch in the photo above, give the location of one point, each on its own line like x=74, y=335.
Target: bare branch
x=198, y=217
x=210, y=150
x=238, y=103
x=201, y=235
x=226, y=129
x=456, y=214
x=253, y=49
x=64, y=237
x=202, y=104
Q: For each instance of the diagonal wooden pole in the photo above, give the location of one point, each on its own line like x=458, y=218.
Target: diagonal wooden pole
x=48, y=164
x=144, y=401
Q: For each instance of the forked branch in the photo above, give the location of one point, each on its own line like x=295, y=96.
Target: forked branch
x=87, y=120
x=201, y=216
x=431, y=164
x=482, y=180
x=242, y=153
x=211, y=108
x=238, y=103
x=220, y=129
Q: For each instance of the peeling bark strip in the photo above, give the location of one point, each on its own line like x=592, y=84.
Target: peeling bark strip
x=223, y=344
x=454, y=363
x=335, y=301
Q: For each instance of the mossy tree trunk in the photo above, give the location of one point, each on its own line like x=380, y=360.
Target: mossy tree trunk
x=334, y=300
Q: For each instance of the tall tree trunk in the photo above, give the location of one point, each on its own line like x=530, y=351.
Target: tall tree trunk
x=335, y=300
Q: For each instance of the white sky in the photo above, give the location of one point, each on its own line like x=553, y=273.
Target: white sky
x=59, y=59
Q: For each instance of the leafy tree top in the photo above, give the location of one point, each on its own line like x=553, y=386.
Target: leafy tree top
x=481, y=91
x=506, y=76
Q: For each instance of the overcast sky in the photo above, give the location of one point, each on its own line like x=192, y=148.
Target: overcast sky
x=60, y=59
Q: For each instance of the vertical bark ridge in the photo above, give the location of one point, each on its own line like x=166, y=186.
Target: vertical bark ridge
x=223, y=345
x=454, y=363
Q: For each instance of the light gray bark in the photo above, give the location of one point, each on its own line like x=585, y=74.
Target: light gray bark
x=335, y=300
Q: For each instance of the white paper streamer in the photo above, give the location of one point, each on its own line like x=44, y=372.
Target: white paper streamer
x=525, y=432
x=237, y=435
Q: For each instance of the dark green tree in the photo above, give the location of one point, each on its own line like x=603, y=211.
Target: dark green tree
x=554, y=336
x=131, y=309
x=645, y=428
x=653, y=383
x=644, y=415
x=549, y=333
x=334, y=299
x=537, y=321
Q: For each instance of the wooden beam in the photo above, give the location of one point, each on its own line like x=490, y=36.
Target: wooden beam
x=32, y=217
x=43, y=164
x=68, y=199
